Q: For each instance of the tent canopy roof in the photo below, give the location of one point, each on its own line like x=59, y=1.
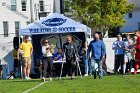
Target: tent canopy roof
x=54, y=23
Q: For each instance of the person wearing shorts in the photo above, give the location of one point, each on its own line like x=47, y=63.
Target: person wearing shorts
x=127, y=54
x=25, y=49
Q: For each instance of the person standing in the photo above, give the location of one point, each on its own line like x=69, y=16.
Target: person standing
x=137, y=54
x=26, y=49
x=127, y=54
x=1, y=71
x=16, y=63
x=118, y=46
x=84, y=54
x=89, y=59
x=133, y=51
x=98, y=54
x=47, y=51
x=70, y=50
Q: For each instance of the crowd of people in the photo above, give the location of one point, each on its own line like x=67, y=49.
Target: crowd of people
x=127, y=56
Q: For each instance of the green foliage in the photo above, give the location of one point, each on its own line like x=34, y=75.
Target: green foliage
x=100, y=15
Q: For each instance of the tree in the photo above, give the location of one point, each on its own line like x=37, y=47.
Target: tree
x=100, y=15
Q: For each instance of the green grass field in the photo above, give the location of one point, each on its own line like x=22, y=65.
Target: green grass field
x=109, y=84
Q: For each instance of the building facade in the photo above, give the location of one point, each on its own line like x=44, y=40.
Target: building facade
x=132, y=18
x=15, y=14
x=19, y=13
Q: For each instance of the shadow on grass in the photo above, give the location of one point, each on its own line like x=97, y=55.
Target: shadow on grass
x=55, y=79
x=32, y=80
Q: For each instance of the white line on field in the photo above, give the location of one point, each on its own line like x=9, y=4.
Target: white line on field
x=34, y=87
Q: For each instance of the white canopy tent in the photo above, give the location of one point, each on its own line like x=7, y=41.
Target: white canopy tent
x=54, y=23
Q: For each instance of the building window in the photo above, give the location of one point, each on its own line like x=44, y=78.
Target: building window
x=23, y=3
x=139, y=26
x=41, y=4
x=13, y=5
x=17, y=25
x=5, y=28
x=130, y=15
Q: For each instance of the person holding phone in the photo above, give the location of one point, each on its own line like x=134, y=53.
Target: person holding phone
x=47, y=51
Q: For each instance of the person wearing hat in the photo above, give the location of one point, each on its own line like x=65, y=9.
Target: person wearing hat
x=26, y=49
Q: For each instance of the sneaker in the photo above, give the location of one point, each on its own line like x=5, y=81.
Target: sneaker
x=50, y=79
x=25, y=77
x=43, y=79
x=67, y=75
x=86, y=75
x=90, y=74
x=12, y=77
x=72, y=77
x=28, y=78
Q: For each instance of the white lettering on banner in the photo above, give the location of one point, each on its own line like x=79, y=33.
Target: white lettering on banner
x=52, y=30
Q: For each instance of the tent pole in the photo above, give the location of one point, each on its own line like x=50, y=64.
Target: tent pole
x=60, y=41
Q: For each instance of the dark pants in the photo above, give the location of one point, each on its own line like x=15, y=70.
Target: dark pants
x=129, y=65
x=71, y=66
x=47, y=63
x=58, y=69
x=119, y=60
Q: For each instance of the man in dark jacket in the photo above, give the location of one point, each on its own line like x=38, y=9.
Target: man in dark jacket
x=70, y=49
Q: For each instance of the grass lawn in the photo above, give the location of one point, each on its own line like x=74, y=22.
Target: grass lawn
x=109, y=84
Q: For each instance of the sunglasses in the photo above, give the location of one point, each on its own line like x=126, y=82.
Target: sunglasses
x=46, y=42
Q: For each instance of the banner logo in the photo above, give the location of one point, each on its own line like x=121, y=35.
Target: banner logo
x=54, y=22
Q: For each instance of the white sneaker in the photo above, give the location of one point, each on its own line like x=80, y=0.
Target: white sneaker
x=25, y=77
x=43, y=79
x=86, y=75
x=50, y=79
x=12, y=77
x=28, y=78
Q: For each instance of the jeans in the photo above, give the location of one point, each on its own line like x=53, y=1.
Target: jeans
x=47, y=62
x=89, y=67
x=99, y=62
x=85, y=64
